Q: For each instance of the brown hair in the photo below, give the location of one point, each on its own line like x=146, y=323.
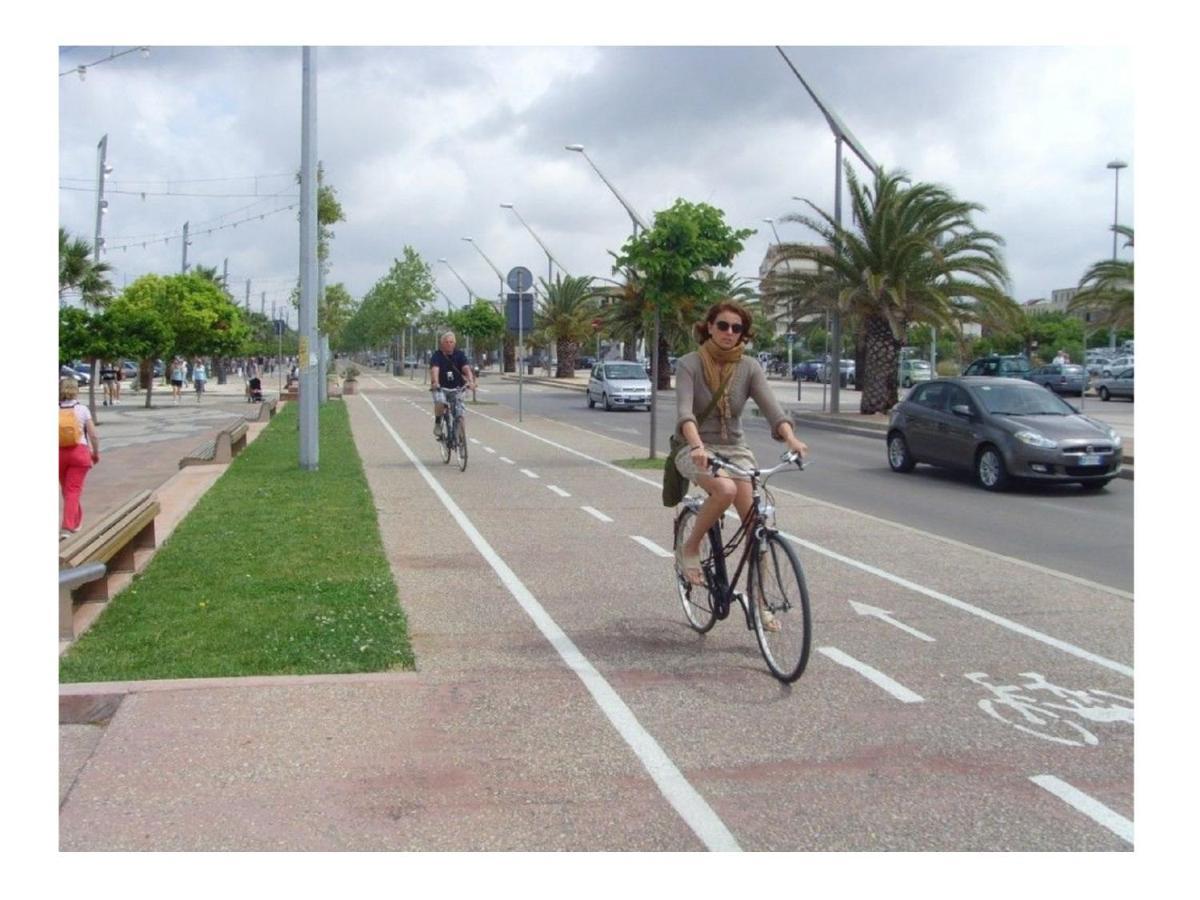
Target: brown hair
x=68, y=389
x=700, y=329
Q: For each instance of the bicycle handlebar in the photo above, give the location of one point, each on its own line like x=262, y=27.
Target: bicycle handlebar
x=716, y=462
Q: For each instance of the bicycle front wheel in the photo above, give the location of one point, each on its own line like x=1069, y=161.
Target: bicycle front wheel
x=447, y=439
x=779, y=608
x=460, y=439
x=697, y=599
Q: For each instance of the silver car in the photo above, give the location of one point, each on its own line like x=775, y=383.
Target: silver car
x=1001, y=429
x=618, y=384
x=1060, y=378
x=1119, y=385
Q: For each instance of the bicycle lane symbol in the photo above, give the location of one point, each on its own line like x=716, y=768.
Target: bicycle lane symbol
x=1046, y=710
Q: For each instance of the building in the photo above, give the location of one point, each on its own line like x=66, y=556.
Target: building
x=771, y=262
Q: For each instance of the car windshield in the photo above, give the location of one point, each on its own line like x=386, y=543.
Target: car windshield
x=625, y=372
x=1018, y=400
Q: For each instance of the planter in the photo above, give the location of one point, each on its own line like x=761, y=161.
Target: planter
x=350, y=387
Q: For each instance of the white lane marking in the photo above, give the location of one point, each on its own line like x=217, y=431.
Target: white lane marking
x=897, y=690
x=474, y=441
x=652, y=547
x=489, y=449
x=1066, y=576
x=959, y=604
x=967, y=607
x=507, y=460
x=684, y=798
x=530, y=474
x=864, y=610
x=380, y=383
x=595, y=512
x=1089, y=806
x=558, y=490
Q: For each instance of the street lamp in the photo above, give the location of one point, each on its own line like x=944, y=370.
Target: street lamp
x=470, y=293
x=549, y=256
x=841, y=134
x=471, y=241
x=637, y=221
x=1116, y=165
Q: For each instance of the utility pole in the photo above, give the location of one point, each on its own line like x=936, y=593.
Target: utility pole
x=247, y=295
x=101, y=204
x=185, y=246
x=309, y=265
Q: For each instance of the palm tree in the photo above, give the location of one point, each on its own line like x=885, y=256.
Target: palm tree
x=565, y=317
x=1107, y=288
x=77, y=271
x=912, y=255
x=624, y=313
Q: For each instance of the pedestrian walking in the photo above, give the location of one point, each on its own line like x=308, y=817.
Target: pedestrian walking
x=178, y=371
x=199, y=377
x=108, y=380
x=117, y=385
x=78, y=451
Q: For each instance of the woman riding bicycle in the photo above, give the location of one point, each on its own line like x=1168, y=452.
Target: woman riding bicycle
x=698, y=377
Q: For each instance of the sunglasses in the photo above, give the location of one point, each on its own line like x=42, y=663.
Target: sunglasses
x=722, y=325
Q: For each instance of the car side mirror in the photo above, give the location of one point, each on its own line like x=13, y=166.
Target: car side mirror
x=961, y=409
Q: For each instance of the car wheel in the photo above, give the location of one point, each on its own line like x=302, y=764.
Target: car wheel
x=1103, y=392
x=607, y=402
x=1095, y=485
x=989, y=469
x=898, y=456
x=591, y=402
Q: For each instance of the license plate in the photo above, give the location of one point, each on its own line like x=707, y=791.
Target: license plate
x=1092, y=460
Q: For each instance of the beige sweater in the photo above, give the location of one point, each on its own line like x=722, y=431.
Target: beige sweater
x=692, y=396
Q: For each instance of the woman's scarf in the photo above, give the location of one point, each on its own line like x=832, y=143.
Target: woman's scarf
x=718, y=365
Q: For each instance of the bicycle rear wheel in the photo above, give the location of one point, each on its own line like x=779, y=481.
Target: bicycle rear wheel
x=779, y=594
x=460, y=439
x=447, y=437
x=697, y=599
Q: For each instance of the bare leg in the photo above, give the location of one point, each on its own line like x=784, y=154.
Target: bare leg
x=722, y=491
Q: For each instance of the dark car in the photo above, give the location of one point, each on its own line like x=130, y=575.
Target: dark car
x=999, y=366
x=82, y=378
x=1062, y=379
x=1001, y=429
x=807, y=371
x=585, y=362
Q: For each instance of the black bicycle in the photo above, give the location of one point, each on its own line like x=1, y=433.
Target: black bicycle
x=454, y=428
x=777, y=610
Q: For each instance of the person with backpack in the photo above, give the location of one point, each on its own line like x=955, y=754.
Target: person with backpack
x=78, y=451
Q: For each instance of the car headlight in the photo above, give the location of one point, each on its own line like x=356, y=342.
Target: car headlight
x=1116, y=438
x=1033, y=439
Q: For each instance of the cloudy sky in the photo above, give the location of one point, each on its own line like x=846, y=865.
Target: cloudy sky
x=423, y=143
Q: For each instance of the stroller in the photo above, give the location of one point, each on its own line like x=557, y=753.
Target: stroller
x=254, y=392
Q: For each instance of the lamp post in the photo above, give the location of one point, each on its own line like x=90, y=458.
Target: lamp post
x=470, y=293
x=637, y=221
x=103, y=170
x=1116, y=165
x=841, y=134
x=551, y=261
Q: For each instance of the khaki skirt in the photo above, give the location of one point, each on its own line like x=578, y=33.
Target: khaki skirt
x=735, y=453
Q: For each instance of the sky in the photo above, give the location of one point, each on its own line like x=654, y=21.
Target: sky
x=423, y=144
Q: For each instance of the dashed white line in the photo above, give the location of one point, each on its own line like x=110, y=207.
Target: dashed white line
x=507, y=460
x=530, y=474
x=473, y=440
x=489, y=449
x=595, y=512
x=652, y=547
x=1089, y=806
x=558, y=490
x=893, y=687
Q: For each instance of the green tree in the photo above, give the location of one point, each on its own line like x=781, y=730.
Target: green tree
x=912, y=255
x=480, y=321
x=77, y=271
x=394, y=302
x=564, y=317
x=1107, y=288
x=673, y=261
x=336, y=309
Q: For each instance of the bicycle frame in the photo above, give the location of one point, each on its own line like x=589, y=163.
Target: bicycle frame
x=454, y=410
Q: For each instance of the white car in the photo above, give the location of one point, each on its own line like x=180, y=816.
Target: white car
x=1116, y=365
x=618, y=384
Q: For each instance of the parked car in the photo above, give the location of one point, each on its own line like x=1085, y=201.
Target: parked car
x=1118, y=385
x=846, y=367
x=1096, y=365
x=1116, y=365
x=618, y=384
x=999, y=366
x=1062, y=379
x=585, y=362
x=410, y=362
x=1001, y=429
x=83, y=379
x=129, y=369
x=807, y=371
x=913, y=371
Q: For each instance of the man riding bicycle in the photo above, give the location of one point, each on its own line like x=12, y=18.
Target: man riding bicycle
x=448, y=368
x=699, y=376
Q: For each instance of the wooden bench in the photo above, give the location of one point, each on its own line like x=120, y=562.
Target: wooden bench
x=263, y=411
x=115, y=541
x=227, y=444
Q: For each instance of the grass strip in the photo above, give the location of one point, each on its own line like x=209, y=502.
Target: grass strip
x=275, y=571
x=641, y=462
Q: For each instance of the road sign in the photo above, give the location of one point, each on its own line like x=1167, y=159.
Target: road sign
x=520, y=279
x=510, y=312
x=791, y=337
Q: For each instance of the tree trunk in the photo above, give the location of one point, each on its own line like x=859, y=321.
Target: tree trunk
x=566, y=359
x=629, y=349
x=664, y=365
x=882, y=355
x=220, y=369
x=146, y=376
x=510, y=353
x=92, y=392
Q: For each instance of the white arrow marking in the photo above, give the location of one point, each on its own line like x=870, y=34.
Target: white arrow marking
x=863, y=610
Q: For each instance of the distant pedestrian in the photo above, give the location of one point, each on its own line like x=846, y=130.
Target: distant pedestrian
x=1062, y=358
x=199, y=378
x=78, y=451
x=178, y=372
x=117, y=386
x=108, y=380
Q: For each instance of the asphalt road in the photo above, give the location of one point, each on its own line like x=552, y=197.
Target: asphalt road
x=1087, y=535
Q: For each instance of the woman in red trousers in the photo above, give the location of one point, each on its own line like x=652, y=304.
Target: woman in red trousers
x=74, y=460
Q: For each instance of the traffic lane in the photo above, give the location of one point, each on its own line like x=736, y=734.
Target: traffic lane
x=593, y=627
x=552, y=769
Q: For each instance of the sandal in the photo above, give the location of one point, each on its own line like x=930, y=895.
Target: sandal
x=769, y=622
x=688, y=567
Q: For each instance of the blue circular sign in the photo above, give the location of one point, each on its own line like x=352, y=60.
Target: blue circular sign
x=520, y=279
